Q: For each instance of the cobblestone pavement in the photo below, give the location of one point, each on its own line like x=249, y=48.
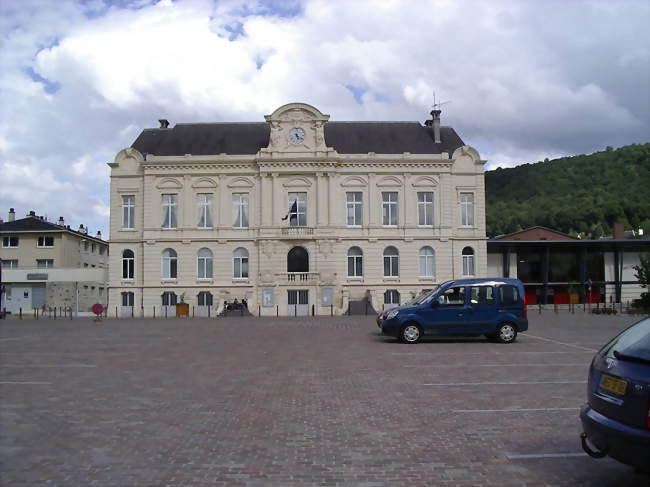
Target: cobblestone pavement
x=295, y=402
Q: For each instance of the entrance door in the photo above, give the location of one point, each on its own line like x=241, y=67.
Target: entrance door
x=298, y=300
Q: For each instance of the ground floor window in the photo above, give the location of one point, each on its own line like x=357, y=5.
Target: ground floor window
x=204, y=298
x=169, y=298
x=128, y=298
x=391, y=296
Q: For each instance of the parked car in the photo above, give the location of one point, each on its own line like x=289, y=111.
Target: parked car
x=616, y=418
x=468, y=307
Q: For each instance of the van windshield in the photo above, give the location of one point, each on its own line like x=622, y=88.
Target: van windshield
x=423, y=298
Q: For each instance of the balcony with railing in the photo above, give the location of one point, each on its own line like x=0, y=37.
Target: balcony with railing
x=298, y=232
x=297, y=277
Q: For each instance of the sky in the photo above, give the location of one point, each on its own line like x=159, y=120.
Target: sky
x=520, y=81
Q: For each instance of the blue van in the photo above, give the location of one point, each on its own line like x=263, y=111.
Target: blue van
x=468, y=307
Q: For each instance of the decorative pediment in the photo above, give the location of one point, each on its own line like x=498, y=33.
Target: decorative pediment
x=169, y=183
x=354, y=182
x=297, y=127
x=425, y=182
x=389, y=181
x=204, y=183
x=298, y=182
x=240, y=183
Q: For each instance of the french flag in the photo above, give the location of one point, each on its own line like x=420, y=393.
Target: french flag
x=292, y=209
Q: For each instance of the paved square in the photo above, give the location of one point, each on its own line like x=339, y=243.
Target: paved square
x=295, y=402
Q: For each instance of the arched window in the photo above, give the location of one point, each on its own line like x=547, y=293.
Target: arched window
x=297, y=260
x=169, y=298
x=128, y=264
x=468, y=261
x=204, y=264
x=427, y=262
x=240, y=263
x=128, y=298
x=355, y=262
x=391, y=298
x=169, y=264
x=391, y=262
x=204, y=298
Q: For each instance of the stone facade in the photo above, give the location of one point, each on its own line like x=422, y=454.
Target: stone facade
x=297, y=164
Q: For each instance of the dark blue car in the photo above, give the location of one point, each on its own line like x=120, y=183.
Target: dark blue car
x=616, y=419
x=468, y=307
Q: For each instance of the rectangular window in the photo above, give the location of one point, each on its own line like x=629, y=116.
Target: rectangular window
x=45, y=241
x=509, y=295
x=425, y=208
x=204, y=203
x=454, y=296
x=297, y=209
x=389, y=208
x=354, y=209
x=467, y=209
x=9, y=263
x=169, y=204
x=481, y=295
x=128, y=211
x=240, y=210
x=10, y=241
x=44, y=263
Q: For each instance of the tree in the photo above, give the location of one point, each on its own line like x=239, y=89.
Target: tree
x=642, y=273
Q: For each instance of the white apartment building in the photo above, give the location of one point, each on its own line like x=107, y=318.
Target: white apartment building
x=296, y=214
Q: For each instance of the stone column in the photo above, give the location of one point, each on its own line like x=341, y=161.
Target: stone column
x=275, y=194
x=409, y=198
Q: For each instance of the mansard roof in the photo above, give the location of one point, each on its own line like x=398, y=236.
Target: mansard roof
x=249, y=138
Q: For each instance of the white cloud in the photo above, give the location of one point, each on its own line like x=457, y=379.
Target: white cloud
x=526, y=81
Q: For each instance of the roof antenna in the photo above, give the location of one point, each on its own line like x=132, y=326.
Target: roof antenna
x=436, y=106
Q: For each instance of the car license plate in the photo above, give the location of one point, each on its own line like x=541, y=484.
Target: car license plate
x=612, y=384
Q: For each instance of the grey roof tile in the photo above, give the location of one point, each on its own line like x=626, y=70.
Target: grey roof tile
x=249, y=138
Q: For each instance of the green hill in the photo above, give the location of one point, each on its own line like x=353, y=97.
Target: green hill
x=582, y=194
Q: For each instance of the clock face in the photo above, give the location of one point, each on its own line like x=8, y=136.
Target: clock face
x=296, y=135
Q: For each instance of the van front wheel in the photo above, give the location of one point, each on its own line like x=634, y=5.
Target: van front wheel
x=410, y=333
x=506, y=333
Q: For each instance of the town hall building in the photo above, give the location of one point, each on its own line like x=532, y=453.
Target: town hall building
x=295, y=215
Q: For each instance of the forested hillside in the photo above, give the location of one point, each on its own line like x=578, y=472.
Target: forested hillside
x=582, y=194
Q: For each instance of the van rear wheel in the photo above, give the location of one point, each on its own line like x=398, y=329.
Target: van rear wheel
x=410, y=333
x=506, y=333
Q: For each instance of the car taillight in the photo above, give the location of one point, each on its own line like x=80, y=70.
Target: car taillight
x=525, y=311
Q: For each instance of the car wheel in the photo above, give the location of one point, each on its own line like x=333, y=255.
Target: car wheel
x=506, y=333
x=411, y=333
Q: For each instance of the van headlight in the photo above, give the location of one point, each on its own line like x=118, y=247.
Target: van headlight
x=392, y=314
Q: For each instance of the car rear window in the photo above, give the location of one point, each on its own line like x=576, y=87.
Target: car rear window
x=508, y=295
x=632, y=343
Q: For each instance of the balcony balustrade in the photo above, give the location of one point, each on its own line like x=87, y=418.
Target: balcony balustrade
x=298, y=232
x=298, y=277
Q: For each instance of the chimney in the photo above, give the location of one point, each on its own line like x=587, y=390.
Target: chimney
x=99, y=235
x=60, y=222
x=618, y=231
x=12, y=215
x=32, y=213
x=435, y=114
x=82, y=229
x=164, y=123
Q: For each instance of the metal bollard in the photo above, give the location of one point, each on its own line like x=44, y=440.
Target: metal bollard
x=312, y=310
x=277, y=310
x=259, y=310
x=331, y=310
x=132, y=311
x=55, y=312
x=154, y=311
x=20, y=313
x=209, y=308
x=165, y=311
